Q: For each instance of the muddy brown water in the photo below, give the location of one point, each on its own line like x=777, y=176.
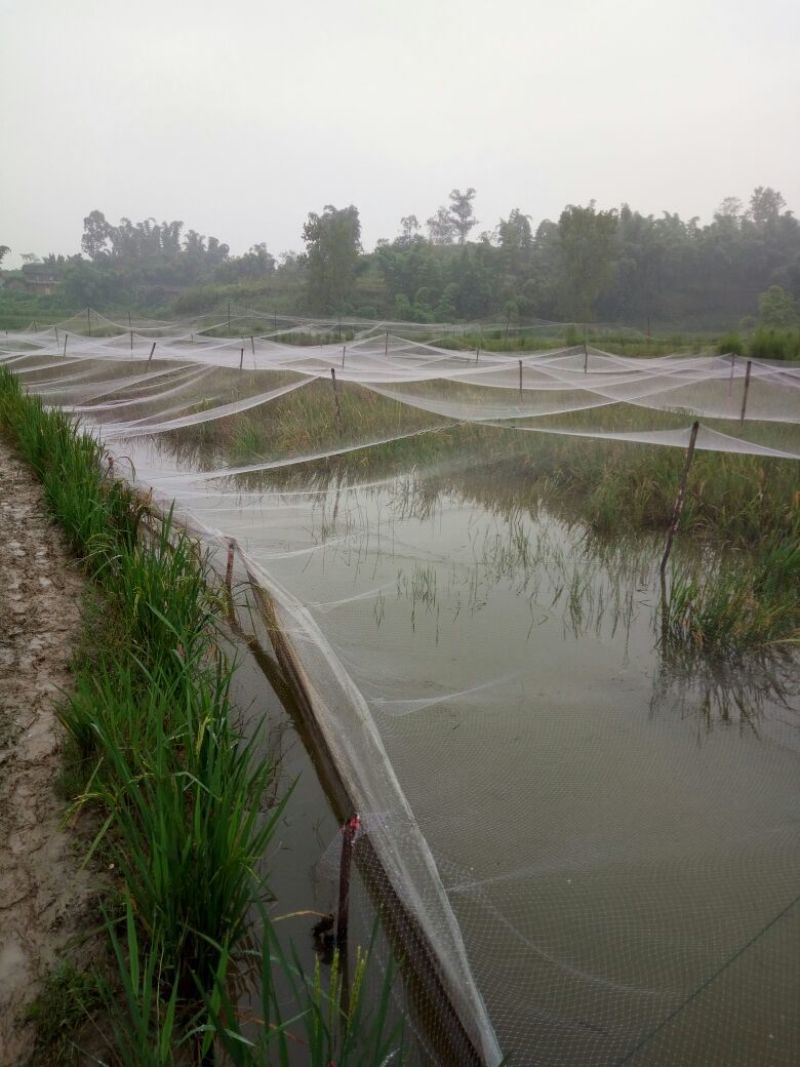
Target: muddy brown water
x=617, y=834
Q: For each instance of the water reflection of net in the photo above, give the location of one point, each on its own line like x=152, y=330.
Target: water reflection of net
x=599, y=929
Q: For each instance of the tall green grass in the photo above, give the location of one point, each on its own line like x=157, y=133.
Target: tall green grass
x=177, y=793
x=733, y=606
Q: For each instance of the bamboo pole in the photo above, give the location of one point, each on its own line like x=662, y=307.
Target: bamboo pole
x=520, y=377
x=253, y=344
x=336, y=394
x=152, y=350
x=344, y=352
x=66, y=335
x=229, y=578
x=746, y=389
x=131, y=340
x=678, y=509
x=241, y=358
x=349, y=831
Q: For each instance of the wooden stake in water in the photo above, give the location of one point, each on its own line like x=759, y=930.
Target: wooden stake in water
x=130, y=324
x=386, y=345
x=520, y=377
x=131, y=340
x=253, y=344
x=66, y=336
x=229, y=578
x=56, y=329
x=349, y=831
x=746, y=388
x=730, y=379
x=477, y=353
x=678, y=509
x=585, y=356
x=344, y=353
x=336, y=394
x=241, y=358
x=152, y=350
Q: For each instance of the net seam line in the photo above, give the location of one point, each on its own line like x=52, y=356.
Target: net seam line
x=705, y=984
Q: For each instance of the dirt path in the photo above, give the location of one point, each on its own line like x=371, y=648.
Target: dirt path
x=42, y=890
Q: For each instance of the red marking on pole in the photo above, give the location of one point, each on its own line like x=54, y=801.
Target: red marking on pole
x=349, y=831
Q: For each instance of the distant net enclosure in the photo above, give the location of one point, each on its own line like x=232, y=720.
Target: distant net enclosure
x=588, y=850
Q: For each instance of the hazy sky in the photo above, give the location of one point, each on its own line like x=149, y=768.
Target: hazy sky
x=241, y=117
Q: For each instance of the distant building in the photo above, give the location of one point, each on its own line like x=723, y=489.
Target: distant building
x=39, y=278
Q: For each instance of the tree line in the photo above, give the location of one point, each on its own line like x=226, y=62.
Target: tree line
x=590, y=265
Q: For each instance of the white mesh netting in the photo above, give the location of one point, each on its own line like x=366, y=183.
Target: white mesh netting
x=600, y=855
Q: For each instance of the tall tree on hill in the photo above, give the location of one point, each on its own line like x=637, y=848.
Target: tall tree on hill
x=441, y=228
x=515, y=238
x=96, y=235
x=461, y=212
x=333, y=244
x=766, y=206
x=587, y=243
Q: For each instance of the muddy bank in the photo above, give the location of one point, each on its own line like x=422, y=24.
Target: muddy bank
x=43, y=892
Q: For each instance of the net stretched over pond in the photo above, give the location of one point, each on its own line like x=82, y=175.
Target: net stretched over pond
x=587, y=856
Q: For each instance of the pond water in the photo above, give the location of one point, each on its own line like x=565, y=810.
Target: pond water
x=617, y=835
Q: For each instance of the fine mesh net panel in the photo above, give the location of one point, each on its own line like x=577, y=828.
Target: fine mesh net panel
x=582, y=851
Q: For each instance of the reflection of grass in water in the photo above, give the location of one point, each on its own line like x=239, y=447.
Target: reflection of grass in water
x=607, y=485
x=718, y=692
x=733, y=501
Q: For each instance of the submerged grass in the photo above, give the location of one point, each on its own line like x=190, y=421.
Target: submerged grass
x=177, y=793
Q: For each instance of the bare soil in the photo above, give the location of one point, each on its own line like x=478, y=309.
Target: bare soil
x=44, y=893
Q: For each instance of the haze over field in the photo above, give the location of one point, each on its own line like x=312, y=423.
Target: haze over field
x=244, y=117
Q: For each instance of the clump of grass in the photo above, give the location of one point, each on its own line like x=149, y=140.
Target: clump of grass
x=775, y=344
x=731, y=343
x=333, y=1025
x=68, y=999
x=737, y=606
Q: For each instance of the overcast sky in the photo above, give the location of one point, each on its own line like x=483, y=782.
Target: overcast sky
x=240, y=117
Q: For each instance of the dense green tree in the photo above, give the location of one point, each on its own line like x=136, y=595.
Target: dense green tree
x=515, y=237
x=255, y=263
x=587, y=243
x=609, y=265
x=333, y=244
x=766, y=207
x=777, y=308
x=461, y=214
x=441, y=228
